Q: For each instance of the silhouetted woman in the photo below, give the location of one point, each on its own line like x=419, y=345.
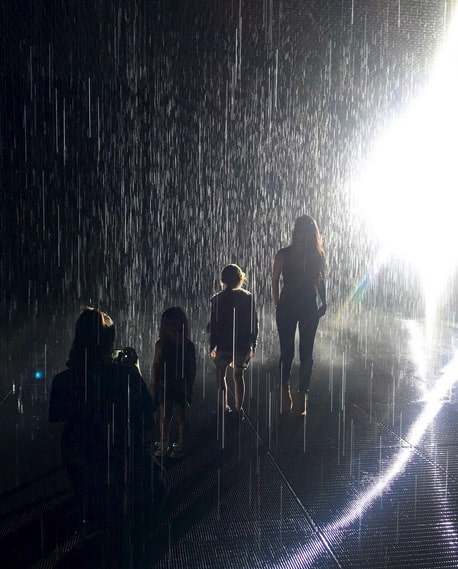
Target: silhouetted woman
x=106, y=443
x=301, y=265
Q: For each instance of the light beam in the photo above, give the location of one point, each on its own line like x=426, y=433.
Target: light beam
x=407, y=192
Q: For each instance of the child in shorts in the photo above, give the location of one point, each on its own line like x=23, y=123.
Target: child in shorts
x=233, y=333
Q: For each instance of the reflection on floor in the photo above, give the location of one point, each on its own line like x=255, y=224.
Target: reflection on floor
x=368, y=478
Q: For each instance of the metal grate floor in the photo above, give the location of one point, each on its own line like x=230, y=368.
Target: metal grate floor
x=352, y=486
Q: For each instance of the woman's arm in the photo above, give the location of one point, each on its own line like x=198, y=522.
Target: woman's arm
x=322, y=295
x=276, y=272
x=254, y=328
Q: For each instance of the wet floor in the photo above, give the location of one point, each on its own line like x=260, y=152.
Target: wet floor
x=367, y=478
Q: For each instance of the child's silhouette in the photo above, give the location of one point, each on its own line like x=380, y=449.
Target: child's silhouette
x=173, y=374
x=233, y=332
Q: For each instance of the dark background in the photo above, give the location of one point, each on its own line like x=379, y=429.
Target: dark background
x=144, y=145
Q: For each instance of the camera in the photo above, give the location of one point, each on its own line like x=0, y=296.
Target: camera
x=125, y=356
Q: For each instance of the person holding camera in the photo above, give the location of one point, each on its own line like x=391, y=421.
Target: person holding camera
x=173, y=375
x=106, y=443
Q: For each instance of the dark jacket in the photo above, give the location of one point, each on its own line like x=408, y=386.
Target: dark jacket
x=233, y=319
x=108, y=416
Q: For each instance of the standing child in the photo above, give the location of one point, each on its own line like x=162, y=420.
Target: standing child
x=233, y=333
x=173, y=374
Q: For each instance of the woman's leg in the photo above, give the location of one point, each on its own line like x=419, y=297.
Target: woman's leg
x=307, y=330
x=286, y=325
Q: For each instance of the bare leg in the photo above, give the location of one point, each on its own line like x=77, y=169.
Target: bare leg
x=286, y=401
x=222, y=385
x=239, y=388
x=305, y=398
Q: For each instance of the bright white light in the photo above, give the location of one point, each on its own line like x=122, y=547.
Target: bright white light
x=408, y=191
x=419, y=350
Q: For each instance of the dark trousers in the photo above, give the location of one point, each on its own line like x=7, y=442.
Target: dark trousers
x=289, y=315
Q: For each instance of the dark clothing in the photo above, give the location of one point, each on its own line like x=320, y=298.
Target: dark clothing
x=234, y=322
x=107, y=437
x=239, y=360
x=297, y=305
x=174, y=371
x=298, y=281
x=288, y=316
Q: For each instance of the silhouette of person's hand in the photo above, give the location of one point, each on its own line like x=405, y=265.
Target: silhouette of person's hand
x=322, y=310
x=252, y=354
x=213, y=354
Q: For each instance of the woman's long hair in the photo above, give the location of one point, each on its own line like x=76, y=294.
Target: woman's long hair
x=174, y=325
x=306, y=239
x=94, y=339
